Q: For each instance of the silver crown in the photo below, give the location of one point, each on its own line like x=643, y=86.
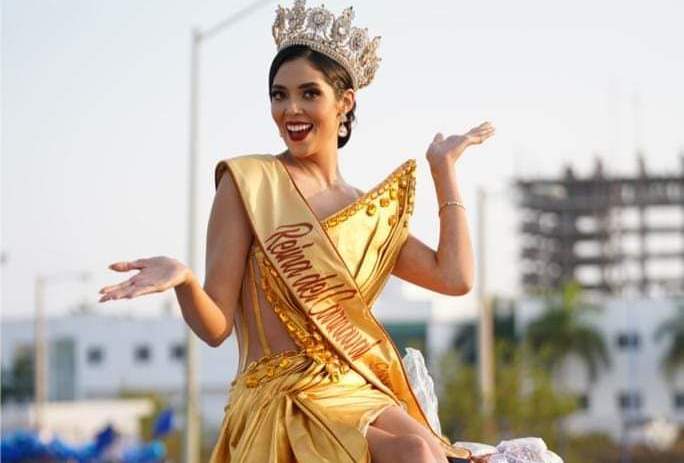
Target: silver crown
x=335, y=37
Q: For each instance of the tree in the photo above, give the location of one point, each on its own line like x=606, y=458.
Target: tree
x=17, y=380
x=562, y=330
x=673, y=330
x=526, y=403
x=465, y=342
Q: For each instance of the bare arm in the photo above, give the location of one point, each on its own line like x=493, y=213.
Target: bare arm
x=210, y=310
x=450, y=269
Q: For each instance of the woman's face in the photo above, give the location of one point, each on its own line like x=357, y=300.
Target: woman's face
x=305, y=108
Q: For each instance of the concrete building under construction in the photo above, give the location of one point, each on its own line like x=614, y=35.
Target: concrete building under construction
x=615, y=235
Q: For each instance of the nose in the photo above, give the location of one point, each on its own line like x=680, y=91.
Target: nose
x=292, y=107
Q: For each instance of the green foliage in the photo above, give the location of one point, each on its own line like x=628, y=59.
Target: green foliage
x=173, y=439
x=590, y=448
x=465, y=341
x=459, y=399
x=600, y=448
x=562, y=330
x=672, y=329
x=18, y=379
x=526, y=403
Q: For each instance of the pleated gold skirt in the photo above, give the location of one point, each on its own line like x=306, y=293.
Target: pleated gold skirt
x=286, y=408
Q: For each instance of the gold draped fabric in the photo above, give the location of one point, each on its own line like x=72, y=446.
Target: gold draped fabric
x=314, y=401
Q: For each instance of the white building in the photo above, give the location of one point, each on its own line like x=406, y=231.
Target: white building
x=634, y=390
x=96, y=357
x=93, y=356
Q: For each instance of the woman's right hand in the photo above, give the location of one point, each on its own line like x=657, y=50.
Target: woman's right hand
x=156, y=274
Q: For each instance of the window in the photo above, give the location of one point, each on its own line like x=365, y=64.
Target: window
x=629, y=400
x=409, y=334
x=583, y=401
x=628, y=341
x=142, y=353
x=177, y=351
x=678, y=400
x=94, y=355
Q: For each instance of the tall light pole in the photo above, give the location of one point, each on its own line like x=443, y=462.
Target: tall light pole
x=486, y=335
x=191, y=441
x=485, y=326
x=39, y=377
x=40, y=387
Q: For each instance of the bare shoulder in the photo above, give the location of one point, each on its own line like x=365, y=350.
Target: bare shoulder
x=229, y=237
x=228, y=212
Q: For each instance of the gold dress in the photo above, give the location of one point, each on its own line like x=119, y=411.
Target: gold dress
x=300, y=400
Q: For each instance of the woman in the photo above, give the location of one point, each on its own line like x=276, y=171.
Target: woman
x=295, y=258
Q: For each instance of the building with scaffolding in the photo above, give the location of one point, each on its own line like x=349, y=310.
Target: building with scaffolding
x=621, y=237
x=615, y=235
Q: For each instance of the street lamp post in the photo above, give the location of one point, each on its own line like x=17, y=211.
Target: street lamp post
x=486, y=335
x=485, y=325
x=40, y=387
x=191, y=442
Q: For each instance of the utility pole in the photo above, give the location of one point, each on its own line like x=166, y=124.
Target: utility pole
x=191, y=441
x=40, y=362
x=39, y=373
x=485, y=326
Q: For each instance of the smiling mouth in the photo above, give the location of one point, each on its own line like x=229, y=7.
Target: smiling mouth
x=298, y=131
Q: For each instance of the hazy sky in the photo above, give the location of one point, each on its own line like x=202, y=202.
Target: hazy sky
x=95, y=118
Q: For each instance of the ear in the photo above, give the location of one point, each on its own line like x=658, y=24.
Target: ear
x=346, y=101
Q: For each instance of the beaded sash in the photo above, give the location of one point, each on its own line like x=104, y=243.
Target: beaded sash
x=300, y=251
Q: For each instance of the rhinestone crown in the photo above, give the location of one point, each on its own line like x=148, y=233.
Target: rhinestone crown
x=333, y=36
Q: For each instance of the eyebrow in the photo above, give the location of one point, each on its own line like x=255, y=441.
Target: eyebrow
x=304, y=85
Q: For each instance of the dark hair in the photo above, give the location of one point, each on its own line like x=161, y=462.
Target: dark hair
x=334, y=74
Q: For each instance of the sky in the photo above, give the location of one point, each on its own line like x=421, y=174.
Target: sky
x=95, y=113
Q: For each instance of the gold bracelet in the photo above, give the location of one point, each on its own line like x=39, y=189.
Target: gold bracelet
x=450, y=203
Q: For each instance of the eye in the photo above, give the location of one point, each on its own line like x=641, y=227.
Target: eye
x=311, y=94
x=277, y=95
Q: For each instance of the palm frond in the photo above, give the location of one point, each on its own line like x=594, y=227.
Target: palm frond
x=562, y=330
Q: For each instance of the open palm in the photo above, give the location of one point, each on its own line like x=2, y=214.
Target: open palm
x=156, y=274
x=450, y=149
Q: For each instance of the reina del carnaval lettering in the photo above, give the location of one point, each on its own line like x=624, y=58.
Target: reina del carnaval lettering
x=324, y=293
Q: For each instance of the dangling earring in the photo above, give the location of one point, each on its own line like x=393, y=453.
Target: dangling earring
x=342, y=131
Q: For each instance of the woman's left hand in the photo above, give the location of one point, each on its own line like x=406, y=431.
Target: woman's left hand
x=447, y=150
